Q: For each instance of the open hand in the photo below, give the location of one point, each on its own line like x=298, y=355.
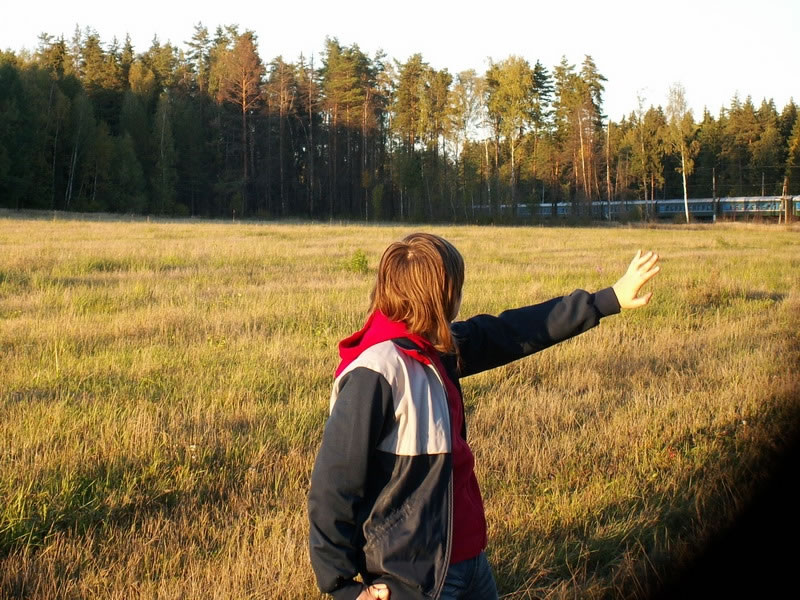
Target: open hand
x=377, y=591
x=641, y=270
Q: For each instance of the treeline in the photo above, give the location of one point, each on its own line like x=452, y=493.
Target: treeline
x=213, y=130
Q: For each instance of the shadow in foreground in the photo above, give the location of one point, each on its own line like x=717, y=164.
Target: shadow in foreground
x=757, y=556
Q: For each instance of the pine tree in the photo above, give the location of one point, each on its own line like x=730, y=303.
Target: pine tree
x=134, y=120
x=80, y=136
x=512, y=102
x=126, y=58
x=127, y=189
x=162, y=61
x=793, y=159
x=646, y=140
x=307, y=116
x=466, y=100
x=282, y=91
x=164, y=175
x=199, y=56
x=709, y=157
x=142, y=83
x=343, y=95
x=240, y=74
x=768, y=152
x=52, y=55
x=541, y=111
x=17, y=132
x=92, y=66
x=741, y=131
x=436, y=121
x=787, y=119
x=98, y=164
x=408, y=121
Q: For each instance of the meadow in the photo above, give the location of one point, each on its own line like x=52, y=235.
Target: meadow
x=164, y=386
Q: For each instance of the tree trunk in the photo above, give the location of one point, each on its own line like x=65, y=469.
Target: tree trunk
x=333, y=158
x=653, y=191
x=788, y=206
x=513, y=182
x=586, y=189
x=574, y=196
x=496, y=171
x=488, y=178
x=73, y=163
x=282, y=157
x=685, y=190
x=163, y=160
x=556, y=190
x=53, y=174
x=364, y=162
x=310, y=159
x=644, y=171
x=71, y=178
x=608, y=167
x=94, y=183
x=268, y=159
x=714, y=191
x=349, y=173
x=244, y=159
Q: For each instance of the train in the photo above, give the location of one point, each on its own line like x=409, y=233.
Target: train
x=700, y=209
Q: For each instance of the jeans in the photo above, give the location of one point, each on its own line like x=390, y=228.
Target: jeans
x=470, y=579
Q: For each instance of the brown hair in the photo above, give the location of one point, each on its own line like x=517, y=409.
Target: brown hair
x=419, y=283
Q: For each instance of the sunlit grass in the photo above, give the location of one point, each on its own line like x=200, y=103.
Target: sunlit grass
x=163, y=388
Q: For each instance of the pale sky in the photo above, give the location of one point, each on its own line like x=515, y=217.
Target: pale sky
x=714, y=48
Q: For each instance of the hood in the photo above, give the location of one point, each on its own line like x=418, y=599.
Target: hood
x=377, y=329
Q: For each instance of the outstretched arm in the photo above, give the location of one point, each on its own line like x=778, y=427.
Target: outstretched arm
x=641, y=270
x=485, y=342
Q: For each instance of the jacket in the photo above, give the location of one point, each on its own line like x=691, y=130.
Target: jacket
x=380, y=503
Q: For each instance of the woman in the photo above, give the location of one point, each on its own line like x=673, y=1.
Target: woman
x=393, y=495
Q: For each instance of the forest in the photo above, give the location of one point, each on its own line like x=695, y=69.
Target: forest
x=211, y=129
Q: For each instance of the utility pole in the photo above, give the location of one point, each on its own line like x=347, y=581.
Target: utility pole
x=714, y=191
x=608, y=168
x=787, y=201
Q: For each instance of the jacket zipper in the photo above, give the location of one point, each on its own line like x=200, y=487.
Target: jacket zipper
x=449, y=544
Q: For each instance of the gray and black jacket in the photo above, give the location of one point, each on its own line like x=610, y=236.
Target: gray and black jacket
x=380, y=503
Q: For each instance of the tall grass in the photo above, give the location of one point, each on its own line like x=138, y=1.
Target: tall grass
x=163, y=388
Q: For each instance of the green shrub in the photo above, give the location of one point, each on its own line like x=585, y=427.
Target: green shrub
x=358, y=263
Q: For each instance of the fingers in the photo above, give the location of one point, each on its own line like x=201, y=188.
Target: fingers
x=644, y=266
x=641, y=300
x=652, y=260
x=380, y=591
x=642, y=269
x=635, y=262
x=650, y=274
x=645, y=261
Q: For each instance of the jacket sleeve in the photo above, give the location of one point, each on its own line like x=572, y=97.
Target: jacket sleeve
x=485, y=342
x=339, y=480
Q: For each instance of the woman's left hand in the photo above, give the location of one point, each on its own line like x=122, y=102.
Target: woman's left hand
x=641, y=270
x=377, y=591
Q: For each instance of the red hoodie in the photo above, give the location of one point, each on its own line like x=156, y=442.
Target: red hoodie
x=469, y=520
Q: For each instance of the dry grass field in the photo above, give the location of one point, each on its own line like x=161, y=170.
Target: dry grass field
x=164, y=385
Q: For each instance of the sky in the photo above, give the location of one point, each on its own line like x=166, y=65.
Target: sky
x=715, y=49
